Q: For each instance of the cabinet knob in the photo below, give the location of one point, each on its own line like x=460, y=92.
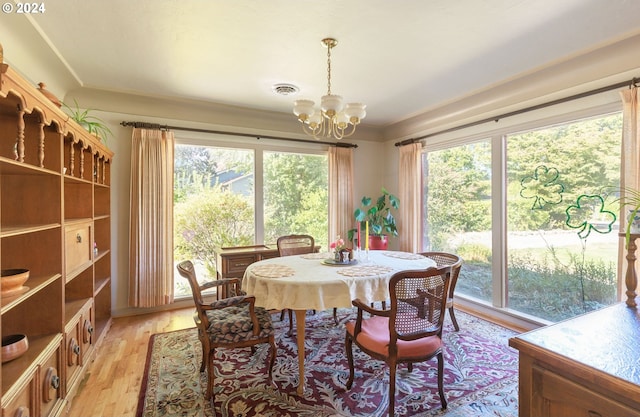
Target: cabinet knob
x=79, y=238
x=51, y=381
x=73, y=353
x=55, y=382
x=21, y=412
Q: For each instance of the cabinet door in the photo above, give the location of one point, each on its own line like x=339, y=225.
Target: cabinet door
x=556, y=396
x=86, y=333
x=23, y=404
x=50, y=383
x=73, y=353
x=78, y=246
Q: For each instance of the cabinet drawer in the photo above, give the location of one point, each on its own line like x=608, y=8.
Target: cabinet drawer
x=236, y=265
x=557, y=396
x=77, y=242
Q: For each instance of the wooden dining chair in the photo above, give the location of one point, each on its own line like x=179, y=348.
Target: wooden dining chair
x=450, y=259
x=232, y=322
x=297, y=245
x=409, y=331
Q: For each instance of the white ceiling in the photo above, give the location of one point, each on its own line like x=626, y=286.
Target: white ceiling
x=401, y=58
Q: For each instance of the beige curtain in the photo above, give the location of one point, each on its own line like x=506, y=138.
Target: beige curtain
x=410, y=195
x=340, y=192
x=630, y=164
x=151, y=219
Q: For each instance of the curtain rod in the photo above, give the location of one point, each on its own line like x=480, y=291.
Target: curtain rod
x=145, y=125
x=631, y=83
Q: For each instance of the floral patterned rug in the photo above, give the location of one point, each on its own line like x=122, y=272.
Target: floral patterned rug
x=480, y=376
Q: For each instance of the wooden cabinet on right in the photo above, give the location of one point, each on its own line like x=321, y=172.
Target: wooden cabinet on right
x=583, y=367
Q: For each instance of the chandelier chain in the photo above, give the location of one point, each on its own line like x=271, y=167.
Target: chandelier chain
x=328, y=69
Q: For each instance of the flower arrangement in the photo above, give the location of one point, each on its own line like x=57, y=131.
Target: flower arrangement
x=341, y=253
x=338, y=245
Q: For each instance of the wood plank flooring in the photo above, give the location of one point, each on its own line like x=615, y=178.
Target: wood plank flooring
x=112, y=383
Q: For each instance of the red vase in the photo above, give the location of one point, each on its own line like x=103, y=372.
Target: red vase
x=380, y=242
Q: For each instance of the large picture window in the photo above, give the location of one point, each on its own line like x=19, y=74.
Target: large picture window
x=556, y=230
x=217, y=203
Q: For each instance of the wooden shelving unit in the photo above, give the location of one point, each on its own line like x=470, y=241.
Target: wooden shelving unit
x=54, y=221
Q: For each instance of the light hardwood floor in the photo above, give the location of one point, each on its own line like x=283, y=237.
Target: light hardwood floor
x=112, y=382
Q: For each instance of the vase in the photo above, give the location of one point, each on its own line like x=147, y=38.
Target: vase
x=378, y=242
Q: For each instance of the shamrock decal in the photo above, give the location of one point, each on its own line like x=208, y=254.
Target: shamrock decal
x=542, y=186
x=587, y=209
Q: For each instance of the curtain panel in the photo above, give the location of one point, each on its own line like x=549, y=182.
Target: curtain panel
x=151, y=218
x=630, y=163
x=340, y=192
x=409, y=193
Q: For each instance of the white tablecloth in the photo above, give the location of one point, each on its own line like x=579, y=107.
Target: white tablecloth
x=303, y=282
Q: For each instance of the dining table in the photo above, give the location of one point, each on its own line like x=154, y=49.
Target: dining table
x=316, y=281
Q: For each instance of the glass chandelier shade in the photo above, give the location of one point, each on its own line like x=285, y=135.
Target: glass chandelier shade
x=334, y=119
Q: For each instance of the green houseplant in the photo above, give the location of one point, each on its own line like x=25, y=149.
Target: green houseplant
x=377, y=213
x=92, y=124
x=631, y=202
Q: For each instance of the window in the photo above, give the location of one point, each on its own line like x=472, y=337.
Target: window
x=217, y=202
x=560, y=235
x=562, y=244
x=457, y=216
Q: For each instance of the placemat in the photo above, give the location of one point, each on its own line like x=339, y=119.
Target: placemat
x=273, y=271
x=403, y=255
x=365, y=271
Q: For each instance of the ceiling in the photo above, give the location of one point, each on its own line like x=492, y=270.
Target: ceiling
x=401, y=58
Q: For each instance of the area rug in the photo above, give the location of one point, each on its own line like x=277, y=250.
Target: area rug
x=480, y=376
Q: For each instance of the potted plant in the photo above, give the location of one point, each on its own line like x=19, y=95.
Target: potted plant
x=377, y=214
x=631, y=201
x=92, y=124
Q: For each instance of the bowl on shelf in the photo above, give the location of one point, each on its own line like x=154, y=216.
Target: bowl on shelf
x=14, y=346
x=11, y=281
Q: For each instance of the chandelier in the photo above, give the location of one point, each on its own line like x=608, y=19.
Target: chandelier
x=334, y=119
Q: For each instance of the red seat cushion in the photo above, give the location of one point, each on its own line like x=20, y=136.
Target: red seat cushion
x=374, y=336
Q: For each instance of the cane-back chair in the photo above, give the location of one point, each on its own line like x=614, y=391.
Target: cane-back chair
x=409, y=332
x=297, y=245
x=448, y=259
x=231, y=322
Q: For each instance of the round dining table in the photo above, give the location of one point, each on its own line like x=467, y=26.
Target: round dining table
x=316, y=282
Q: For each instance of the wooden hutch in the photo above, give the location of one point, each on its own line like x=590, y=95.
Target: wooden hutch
x=54, y=221
x=587, y=366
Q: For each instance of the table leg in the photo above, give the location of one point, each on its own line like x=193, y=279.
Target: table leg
x=300, y=323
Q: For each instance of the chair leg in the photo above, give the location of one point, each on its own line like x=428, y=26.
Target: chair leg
x=392, y=388
x=290, y=332
x=205, y=356
x=209, y=394
x=335, y=316
x=443, y=399
x=282, y=314
x=272, y=358
x=453, y=319
x=348, y=345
